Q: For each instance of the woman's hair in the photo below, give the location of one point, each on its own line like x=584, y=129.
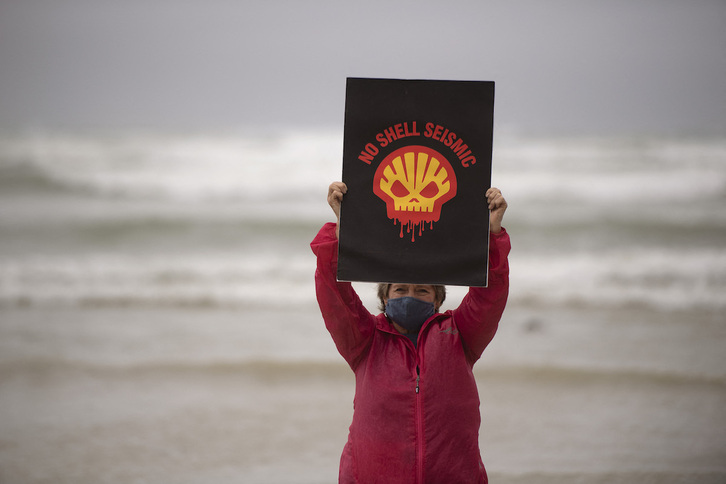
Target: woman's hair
x=439, y=293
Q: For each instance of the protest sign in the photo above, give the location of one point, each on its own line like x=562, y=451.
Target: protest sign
x=417, y=163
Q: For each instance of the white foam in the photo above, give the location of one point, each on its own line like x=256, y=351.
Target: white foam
x=177, y=281
x=653, y=277
x=299, y=163
x=193, y=167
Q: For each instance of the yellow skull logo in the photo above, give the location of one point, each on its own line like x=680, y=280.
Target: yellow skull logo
x=414, y=181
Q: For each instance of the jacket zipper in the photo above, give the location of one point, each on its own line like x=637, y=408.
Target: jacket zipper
x=419, y=430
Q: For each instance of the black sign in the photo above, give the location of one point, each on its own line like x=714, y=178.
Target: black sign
x=417, y=162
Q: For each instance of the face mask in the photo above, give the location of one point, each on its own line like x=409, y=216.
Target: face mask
x=409, y=312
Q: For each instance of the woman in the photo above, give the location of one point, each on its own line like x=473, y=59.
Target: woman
x=416, y=409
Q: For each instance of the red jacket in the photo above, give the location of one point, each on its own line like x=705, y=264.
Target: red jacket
x=416, y=409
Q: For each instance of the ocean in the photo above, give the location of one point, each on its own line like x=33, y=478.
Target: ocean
x=158, y=320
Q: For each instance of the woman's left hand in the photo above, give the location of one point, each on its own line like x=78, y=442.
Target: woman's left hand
x=497, y=207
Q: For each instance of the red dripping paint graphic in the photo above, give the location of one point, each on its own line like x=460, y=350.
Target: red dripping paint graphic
x=414, y=181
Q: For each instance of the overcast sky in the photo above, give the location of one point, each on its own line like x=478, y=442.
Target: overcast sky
x=612, y=66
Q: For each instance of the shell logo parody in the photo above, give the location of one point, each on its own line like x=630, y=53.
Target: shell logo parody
x=415, y=182
x=416, y=160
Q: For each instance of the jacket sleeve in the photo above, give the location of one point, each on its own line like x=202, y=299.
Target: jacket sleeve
x=348, y=321
x=478, y=315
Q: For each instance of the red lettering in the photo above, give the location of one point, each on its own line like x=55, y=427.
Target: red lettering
x=450, y=139
x=459, y=148
x=465, y=162
x=411, y=133
x=366, y=156
x=429, y=130
x=390, y=134
x=382, y=140
x=443, y=136
x=437, y=132
x=399, y=130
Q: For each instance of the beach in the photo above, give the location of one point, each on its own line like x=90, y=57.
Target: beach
x=158, y=319
x=192, y=419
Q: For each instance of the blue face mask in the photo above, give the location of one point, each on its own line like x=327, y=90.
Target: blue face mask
x=409, y=312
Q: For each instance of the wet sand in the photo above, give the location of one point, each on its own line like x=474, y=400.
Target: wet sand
x=287, y=423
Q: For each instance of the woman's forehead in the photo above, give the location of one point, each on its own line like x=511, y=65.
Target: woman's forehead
x=415, y=286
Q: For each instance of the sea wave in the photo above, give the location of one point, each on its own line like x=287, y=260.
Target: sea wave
x=206, y=281
x=653, y=277
x=29, y=178
x=648, y=277
x=613, y=154
x=197, y=167
x=686, y=184
x=296, y=164
x=595, y=221
x=314, y=366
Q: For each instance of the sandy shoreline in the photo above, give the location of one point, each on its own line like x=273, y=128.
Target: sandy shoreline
x=287, y=424
x=183, y=396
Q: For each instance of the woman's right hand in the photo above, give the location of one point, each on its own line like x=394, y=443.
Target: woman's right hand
x=336, y=190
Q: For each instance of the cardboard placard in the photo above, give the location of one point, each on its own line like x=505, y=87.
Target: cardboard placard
x=417, y=162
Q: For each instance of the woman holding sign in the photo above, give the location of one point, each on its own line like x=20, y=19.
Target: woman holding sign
x=416, y=410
